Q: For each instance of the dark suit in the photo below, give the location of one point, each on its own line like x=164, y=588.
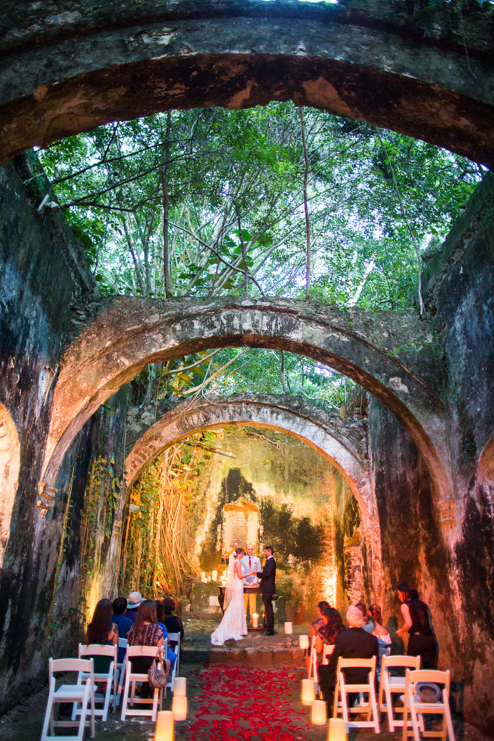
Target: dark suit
x=268, y=588
x=353, y=643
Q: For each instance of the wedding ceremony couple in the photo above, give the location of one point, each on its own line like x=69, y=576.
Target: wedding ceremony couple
x=246, y=568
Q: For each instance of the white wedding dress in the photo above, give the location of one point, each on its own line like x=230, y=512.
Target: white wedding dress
x=233, y=625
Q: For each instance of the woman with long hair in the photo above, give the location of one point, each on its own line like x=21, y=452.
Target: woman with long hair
x=416, y=616
x=103, y=632
x=379, y=631
x=145, y=632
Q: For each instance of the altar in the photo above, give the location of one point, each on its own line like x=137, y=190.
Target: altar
x=247, y=590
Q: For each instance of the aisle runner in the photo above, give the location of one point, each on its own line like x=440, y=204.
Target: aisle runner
x=246, y=703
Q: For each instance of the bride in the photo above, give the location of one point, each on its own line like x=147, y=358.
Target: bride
x=233, y=625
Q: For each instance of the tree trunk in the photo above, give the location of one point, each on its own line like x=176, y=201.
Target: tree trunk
x=166, y=206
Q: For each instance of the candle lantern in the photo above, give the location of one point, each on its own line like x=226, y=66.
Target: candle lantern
x=208, y=579
x=255, y=620
x=304, y=641
x=164, y=726
x=179, y=708
x=337, y=730
x=215, y=576
x=180, y=687
x=308, y=694
x=318, y=713
x=289, y=628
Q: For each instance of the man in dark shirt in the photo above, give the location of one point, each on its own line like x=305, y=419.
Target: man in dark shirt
x=122, y=622
x=354, y=643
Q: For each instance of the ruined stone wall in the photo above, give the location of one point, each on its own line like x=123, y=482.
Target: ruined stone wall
x=446, y=548
x=42, y=272
x=307, y=512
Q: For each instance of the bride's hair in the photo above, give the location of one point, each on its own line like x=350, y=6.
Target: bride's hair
x=239, y=550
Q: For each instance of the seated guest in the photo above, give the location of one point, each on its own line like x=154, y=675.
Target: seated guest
x=332, y=627
x=160, y=614
x=379, y=631
x=172, y=622
x=101, y=630
x=416, y=616
x=354, y=643
x=368, y=625
x=122, y=622
x=145, y=632
x=314, y=627
x=135, y=600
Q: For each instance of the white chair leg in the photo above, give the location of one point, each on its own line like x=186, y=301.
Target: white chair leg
x=48, y=721
x=344, y=705
x=415, y=721
x=82, y=718
x=372, y=702
x=126, y=696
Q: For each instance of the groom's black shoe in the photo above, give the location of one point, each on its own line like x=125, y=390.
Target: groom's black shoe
x=268, y=633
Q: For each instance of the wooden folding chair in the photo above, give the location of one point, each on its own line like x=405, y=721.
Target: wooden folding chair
x=342, y=689
x=416, y=708
x=109, y=678
x=131, y=680
x=390, y=686
x=75, y=693
x=175, y=670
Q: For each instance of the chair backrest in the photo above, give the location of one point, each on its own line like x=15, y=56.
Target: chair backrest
x=70, y=665
x=122, y=643
x=327, y=651
x=175, y=637
x=142, y=651
x=410, y=662
x=357, y=663
x=313, y=643
x=94, y=649
x=428, y=675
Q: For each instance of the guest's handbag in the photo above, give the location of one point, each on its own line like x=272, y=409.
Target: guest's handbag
x=158, y=673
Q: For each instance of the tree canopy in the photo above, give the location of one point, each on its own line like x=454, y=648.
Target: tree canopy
x=268, y=201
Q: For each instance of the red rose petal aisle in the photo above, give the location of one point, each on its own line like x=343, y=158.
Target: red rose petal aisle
x=237, y=702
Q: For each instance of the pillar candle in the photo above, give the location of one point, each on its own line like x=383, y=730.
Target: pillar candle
x=318, y=713
x=337, y=730
x=255, y=620
x=164, y=726
x=215, y=576
x=180, y=687
x=203, y=576
x=307, y=691
x=179, y=708
x=288, y=628
x=208, y=579
x=304, y=641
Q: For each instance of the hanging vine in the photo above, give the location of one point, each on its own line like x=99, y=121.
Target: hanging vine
x=164, y=512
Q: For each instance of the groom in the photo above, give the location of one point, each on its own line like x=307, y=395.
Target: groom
x=268, y=588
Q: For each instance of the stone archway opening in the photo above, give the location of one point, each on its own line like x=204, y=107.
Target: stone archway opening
x=9, y=473
x=251, y=485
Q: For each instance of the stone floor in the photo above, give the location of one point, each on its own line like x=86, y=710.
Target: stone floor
x=241, y=701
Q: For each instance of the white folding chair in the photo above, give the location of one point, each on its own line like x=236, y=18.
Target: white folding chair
x=75, y=693
x=417, y=708
x=342, y=689
x=175, y=672
x=390, y=686
x=313, y=660
x=122, y=643
x=109, y=678
x=326, y=653
x=132, y=678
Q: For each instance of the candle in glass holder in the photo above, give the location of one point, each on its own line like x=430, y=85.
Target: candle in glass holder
x=308, y=694
x=255, y=620
x=164, y=726
x=180, y=687
x=203, y=576
x=304, y=641
x=223, y=583
x=318, y=713
x=289, y=628
x=337, y=730
x=215, y=576
x=179, y=708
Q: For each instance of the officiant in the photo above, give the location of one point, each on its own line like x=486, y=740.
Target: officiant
x=250, y=563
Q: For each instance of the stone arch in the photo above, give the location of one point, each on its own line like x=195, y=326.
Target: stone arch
x=130, y=332
x=9, y=474
x=72, y=71
x=340, y=442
